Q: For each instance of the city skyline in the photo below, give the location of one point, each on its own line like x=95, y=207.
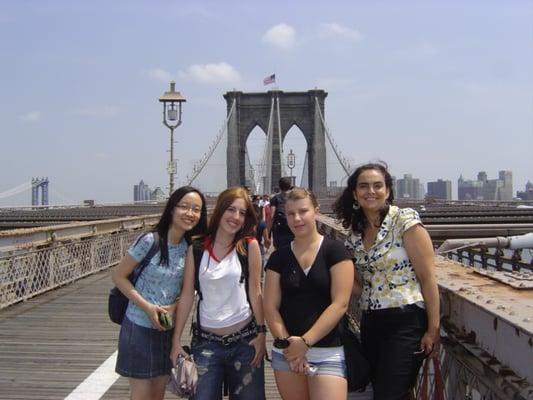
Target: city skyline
x=436, y=89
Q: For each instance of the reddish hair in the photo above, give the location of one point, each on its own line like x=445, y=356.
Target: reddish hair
x=226, y=199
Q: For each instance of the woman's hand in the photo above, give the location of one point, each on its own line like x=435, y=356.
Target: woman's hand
x=153, y=310
x=297, y=348
x=175, y=352
x=170, y=308
x=259, y=345
x=429, y=342
x=299, y=365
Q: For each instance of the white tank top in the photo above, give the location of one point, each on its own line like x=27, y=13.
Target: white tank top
x=224, y=300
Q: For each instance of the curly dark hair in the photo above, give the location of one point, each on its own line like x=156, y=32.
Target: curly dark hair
x=343, y=207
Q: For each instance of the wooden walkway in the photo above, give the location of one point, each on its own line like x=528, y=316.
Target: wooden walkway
x=53, y=342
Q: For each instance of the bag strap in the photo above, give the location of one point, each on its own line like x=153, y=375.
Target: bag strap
x=147, y=258
x=439, y=384
x=425, y=378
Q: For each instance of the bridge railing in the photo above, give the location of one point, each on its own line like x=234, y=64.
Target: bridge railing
x=33, y=261
x=498, y=259
x=486, y=335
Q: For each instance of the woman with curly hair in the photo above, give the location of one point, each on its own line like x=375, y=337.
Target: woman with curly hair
x=393, y=254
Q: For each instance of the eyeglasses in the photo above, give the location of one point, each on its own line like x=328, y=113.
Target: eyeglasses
x=186, y=208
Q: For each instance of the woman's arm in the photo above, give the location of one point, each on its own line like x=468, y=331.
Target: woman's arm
x=184, y=305
x=120, y=278
x=419, y=248
x=256, y=299
x=271, y=303
x=342, y=278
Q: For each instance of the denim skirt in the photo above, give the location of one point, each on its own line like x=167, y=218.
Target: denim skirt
x=143, y=353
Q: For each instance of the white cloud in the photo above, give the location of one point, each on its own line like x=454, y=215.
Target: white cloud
x=98, y=111
x=282, y=36
x=159, y=74
x=31, y=116
x=334, y=29
x=212, y=73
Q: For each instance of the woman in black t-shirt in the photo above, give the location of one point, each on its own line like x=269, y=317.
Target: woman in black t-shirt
x=307, y=291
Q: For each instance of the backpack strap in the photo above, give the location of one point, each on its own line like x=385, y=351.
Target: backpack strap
x=147, y=258
x=197, y=252
x=245, y=273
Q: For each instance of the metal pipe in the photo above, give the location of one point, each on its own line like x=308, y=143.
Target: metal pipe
x=510, y=242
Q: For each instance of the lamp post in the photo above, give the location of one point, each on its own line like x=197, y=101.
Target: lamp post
x=172, y=119
x=291, y=163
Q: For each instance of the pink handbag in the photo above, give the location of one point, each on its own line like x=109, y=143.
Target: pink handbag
x=183, y=377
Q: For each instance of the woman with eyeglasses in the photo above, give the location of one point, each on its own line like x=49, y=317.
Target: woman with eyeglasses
x=144, y=342
x=229, y=332
x=307, y=290
x=400, y=300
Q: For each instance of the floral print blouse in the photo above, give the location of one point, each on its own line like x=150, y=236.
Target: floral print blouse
x=388, y=276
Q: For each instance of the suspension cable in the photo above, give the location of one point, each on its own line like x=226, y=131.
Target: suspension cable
x=282, y=170
x=15, y=190
x=200, y=165
x=342, y=161
x=266, y=162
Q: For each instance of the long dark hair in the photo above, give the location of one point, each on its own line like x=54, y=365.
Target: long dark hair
x=224, y=200
x=164, y=223
x=355, y=219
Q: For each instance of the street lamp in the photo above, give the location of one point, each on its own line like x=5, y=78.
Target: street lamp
x=291, y=163
x=172, y=119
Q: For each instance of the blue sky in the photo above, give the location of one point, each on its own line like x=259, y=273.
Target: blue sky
x=435, y=88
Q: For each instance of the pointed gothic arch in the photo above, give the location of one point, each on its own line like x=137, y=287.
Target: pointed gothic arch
x=295, y=108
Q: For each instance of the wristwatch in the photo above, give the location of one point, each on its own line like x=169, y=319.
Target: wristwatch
x=281, y=343
x=261, y=328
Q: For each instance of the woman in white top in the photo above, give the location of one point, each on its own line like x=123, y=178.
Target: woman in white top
x=229, y=334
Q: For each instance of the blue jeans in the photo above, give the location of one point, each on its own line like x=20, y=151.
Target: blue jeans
x=215, y=360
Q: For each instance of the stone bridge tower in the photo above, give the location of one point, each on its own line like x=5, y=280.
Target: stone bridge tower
x=295, y=108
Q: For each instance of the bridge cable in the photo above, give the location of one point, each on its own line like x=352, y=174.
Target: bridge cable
x=282, y=169
x=202, y=163
x=265, y=171
x=343, y=162
x=16, y=190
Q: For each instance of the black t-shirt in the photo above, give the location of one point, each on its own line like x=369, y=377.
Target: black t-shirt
x=304, y=298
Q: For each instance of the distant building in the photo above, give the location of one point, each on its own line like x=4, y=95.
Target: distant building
x=528, y=193
x=158, y=194
x=409, y=188
x=486, y=189
x=141, y=192
x=440, y=190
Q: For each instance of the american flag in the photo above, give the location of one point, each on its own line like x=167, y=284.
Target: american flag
x=269, y=79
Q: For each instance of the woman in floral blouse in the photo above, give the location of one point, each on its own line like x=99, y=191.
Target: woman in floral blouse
x=393, y=254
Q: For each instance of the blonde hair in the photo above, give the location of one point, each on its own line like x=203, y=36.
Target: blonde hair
x=299, y=193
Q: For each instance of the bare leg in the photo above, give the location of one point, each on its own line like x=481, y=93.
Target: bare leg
x=291, y=386
x=148, y=389
x=328, y=387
